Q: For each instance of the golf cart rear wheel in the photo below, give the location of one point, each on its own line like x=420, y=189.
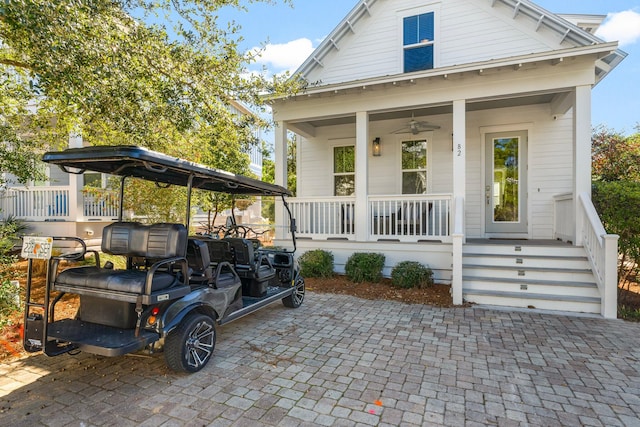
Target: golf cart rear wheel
x=297, y=297
x=189, y=347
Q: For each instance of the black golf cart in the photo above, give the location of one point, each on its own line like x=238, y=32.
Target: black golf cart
x=175, y=287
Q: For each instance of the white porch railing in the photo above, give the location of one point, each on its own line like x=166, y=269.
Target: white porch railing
x=410, y=217
x=602, y=250
x=324, y=217
x=563, y=217
x=100, y=204
x=37, y=204
x=399, y=217
x=54, y=204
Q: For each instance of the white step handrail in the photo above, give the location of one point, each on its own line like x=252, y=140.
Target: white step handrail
x=602, y=250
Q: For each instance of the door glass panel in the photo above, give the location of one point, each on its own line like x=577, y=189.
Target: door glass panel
x=506, y=180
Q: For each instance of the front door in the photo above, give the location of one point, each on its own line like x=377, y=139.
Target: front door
x=506, y=184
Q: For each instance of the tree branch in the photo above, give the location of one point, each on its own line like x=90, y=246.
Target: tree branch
x=14, y=63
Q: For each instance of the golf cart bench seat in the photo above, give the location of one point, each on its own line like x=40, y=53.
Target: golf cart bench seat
x=203, y=270
x=252, y=265
x=161, y=246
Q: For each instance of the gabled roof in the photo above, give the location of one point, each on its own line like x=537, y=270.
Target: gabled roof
x=539, y=17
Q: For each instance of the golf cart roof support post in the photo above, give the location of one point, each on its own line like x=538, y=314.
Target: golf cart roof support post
x=121, y=208
x=292, y=222
x=187, y=218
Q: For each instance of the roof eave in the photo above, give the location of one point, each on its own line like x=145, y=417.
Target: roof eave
x=607, y=52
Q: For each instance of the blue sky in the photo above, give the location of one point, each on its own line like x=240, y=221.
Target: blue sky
x=291, y=34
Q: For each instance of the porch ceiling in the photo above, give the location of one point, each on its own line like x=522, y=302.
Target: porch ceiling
x=477, y=105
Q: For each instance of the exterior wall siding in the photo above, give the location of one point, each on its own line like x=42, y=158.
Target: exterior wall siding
x=550, y=157
x=466, y=31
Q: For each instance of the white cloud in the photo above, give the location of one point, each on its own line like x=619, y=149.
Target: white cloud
x=287, y=56
x=623, y=27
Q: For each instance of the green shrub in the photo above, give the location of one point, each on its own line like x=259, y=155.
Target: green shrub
x=10, y=231
x=8, y=301
x=316, y=263
x=618, y=204
x=411, y=274
x=630, y=314
x=365, y=267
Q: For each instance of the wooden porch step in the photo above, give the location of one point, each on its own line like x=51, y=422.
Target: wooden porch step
x=530, y=296
x=551, y=277
x=525, y=268
x=566, y=303
x=528, y=261
x=533, y=273
x=524, y=249
x=531, y=282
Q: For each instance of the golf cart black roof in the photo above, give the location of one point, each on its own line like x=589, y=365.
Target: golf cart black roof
x=157, y=167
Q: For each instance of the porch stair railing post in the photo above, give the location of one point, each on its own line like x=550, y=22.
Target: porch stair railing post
x=602, y=250
x=458, y=242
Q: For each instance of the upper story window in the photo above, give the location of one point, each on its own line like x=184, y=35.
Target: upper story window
x=344, y=177
x=418, y=43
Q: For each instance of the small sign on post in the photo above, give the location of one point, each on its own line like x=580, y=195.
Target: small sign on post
x=34, y=247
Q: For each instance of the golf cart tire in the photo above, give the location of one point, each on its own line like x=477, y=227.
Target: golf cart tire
x=296, y=299
x=189, y=347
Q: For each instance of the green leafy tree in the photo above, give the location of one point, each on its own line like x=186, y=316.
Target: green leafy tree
x=616, y=196
x=615, y=157
x=163, y=75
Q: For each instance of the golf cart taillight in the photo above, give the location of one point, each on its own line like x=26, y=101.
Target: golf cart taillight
x=152, y=319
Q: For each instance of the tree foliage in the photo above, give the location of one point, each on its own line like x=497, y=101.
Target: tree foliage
x=616, y=196
x=618, y=204
x=162, y=75
x=615, y=157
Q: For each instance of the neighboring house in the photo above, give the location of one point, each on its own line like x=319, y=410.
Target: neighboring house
x=456, y=133
x=60, y=207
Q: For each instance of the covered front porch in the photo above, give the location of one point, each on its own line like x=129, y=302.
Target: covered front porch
x=505, y=152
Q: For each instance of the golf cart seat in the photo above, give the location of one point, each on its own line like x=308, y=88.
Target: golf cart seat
x=162, y=276
x=218, y=275
x=253, y=267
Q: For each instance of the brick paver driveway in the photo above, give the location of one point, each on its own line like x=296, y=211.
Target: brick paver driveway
x=338, y=360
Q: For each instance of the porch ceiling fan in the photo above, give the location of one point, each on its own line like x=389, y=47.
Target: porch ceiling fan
x=416, y=126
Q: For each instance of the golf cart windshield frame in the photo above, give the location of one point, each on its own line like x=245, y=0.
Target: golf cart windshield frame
x=139, y=162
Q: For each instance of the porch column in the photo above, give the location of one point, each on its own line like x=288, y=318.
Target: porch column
x=361, y=176
x=582, y=152
x=280, y=172
x=459, y=192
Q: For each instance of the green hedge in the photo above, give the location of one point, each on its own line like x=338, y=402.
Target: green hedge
x=411, y=274
x=365, y=267
x=316, y=263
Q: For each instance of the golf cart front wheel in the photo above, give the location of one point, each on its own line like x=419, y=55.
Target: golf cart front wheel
x=297, y=297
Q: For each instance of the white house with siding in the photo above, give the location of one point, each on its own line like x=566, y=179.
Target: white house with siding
x=456, y=133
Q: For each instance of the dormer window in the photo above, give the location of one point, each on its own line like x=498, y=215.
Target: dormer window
x=418, y=42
